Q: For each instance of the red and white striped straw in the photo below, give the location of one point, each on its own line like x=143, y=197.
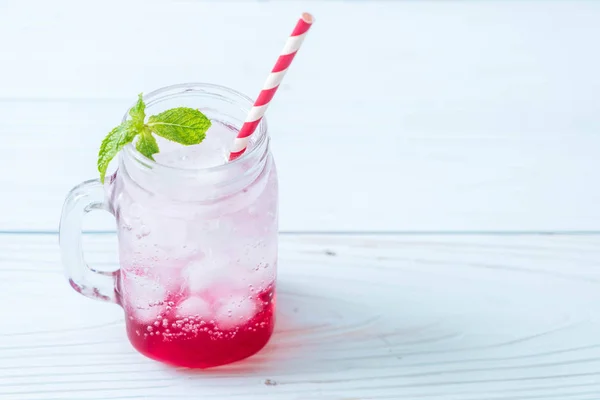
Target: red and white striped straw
x=270, y=87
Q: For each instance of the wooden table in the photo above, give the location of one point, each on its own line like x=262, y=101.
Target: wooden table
x=438, y=187
x=360, y=317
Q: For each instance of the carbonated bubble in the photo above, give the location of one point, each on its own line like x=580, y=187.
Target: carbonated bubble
x=193, y=306
x=235, y=311
x=144, y=296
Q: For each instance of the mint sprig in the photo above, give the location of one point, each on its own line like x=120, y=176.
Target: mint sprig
x=182, y=125
x=146, y=144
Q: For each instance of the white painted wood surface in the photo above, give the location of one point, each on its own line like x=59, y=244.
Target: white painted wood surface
x=431, y=115
x=360, y=317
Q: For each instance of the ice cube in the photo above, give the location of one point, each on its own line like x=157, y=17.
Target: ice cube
x=211, y=152
x=170, y=278
x=143, y=296
x=148, y=314
x=168, y=234
x=193, y=306
x=203, y=274
x=259, y=277
x=160, y=234
x=257, y=265
x=235, y=311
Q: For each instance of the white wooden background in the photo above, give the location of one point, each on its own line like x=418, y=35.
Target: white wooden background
x=396, y=115
x=429, y=116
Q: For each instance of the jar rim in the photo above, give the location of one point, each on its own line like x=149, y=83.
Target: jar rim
x=211, y=90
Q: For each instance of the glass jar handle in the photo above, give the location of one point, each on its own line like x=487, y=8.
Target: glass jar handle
x=82, y=199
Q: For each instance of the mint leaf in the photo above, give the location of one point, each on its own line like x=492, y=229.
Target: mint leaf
x=138, y=112
x=183, y=125
x=113, y=143
x=146, y=144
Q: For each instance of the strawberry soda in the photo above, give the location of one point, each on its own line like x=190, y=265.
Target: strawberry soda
x=197, y=238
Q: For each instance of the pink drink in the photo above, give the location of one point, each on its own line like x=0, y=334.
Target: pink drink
x=197, y=237
x=197, y=275
x=183, y=337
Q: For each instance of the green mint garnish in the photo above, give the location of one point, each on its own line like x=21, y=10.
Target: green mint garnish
x=146, y=143
x=182, y=125
x=113, y=143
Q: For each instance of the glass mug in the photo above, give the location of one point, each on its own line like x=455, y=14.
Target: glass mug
x=197, y=246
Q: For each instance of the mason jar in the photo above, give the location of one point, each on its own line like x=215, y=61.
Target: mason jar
x=197, y=245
